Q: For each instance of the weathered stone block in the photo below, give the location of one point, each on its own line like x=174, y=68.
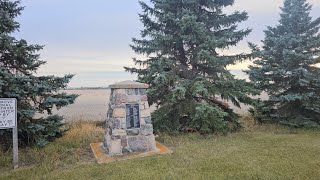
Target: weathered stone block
x=126, y=150
x=142, y=91
x=142, y=122
x=146, y=129
x=112, y=99
x=142, y=143
x=151, y=143
x=107, y=140
x=130, y=91
x=122, y=105
x=138, y=143
x=120, y=98
x=116, y=123
x=124, y=141
x=148, y=120
x=133, y=132
x=115, y=147
x=105, y=145
x=113, y=137
x=109, y=125
x=136, y=91
x=144, y=98
x=133, y=99
x=120, y=91
x=123, y=123
x=129, y=85
x=119, y=113
x=145, y=113
x=119, y=132
x=146, y=105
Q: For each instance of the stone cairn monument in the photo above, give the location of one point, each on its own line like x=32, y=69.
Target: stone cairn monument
x=128, y=126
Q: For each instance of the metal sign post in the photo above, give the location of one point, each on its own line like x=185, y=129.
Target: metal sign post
x=8, y=120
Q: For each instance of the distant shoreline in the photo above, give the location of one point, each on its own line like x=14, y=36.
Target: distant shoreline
x=86, y=88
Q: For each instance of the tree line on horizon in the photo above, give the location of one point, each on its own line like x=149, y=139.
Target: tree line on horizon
x=188, y=77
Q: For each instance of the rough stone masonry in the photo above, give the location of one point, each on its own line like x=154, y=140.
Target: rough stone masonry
x=128, y=126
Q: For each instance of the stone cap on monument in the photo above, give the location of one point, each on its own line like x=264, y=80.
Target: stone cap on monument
x=129, y=85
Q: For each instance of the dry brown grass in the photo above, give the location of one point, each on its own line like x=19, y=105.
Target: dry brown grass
x=248, y=122
x=84, y=129
x=71, y=149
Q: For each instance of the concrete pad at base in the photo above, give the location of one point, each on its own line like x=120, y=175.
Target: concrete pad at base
x=102, y=157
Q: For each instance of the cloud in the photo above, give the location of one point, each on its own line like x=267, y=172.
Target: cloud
x=86, y=63
x=82, y=60
x=87, y=37
x=265, y=6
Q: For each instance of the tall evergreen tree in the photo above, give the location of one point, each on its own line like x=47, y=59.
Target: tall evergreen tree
x=286, y=68
x=19, y=62
x=189, y=81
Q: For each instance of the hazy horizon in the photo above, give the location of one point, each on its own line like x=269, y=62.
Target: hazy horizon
x=92, y=80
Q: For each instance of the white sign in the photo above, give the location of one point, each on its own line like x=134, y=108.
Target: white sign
x=8, y=113
x=8, y=119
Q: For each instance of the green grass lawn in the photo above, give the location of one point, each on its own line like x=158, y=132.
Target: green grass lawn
x=265, y=152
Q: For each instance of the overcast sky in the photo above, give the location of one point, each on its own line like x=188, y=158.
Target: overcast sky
x=91, y=38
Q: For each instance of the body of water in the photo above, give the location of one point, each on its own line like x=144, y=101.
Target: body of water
x=104, y=79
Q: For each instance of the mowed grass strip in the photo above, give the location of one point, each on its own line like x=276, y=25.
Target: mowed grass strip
x=261, y=152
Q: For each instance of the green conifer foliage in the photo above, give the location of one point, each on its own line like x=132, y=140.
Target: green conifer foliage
x=189, y=81
x=19, y=62
x=286, y=68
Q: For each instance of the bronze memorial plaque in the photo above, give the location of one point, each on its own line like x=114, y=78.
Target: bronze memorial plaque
x=132, y=117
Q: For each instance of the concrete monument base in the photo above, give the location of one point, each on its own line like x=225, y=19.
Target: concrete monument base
x=102, y=156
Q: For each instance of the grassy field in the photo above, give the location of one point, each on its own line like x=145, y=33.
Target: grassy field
x=260, y=152
x=91, y=105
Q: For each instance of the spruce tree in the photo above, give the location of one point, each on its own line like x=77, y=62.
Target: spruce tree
x=189, y=82
x=286, y=68
x=19, y=62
